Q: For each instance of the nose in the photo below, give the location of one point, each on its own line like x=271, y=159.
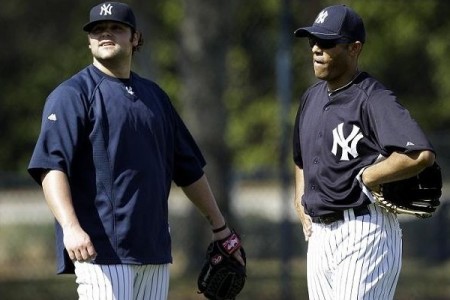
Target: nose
x=315, y=48
x=106, y=32
x=102, y=30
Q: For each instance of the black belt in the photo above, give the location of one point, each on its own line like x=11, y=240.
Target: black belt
x=339, y=215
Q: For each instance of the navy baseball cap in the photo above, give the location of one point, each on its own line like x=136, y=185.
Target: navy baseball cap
x=111, y=11
x=335, y=22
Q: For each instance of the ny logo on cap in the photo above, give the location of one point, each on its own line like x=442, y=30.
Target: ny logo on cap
x=321, y=17
x=106, y=9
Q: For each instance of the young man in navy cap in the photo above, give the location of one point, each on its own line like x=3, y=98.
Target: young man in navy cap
x=110, y=145
x=351, y=135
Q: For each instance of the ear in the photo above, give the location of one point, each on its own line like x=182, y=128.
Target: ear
x=89, y=42
x=355, y=48
x=135, y=39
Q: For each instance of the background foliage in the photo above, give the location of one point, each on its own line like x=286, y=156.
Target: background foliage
x=43, y=44
x=406, y=48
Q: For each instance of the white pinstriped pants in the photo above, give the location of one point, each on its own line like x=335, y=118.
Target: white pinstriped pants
x=122, y=282
x=358, y=258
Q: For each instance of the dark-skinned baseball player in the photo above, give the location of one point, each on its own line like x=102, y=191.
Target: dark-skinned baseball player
x=351, y=136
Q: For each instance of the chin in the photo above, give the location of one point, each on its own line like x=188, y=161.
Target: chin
x=321, y=75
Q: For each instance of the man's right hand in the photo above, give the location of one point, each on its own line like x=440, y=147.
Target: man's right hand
x=307, y=226
x=78, y=244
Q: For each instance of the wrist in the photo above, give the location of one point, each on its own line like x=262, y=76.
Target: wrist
x=69, y=224
x=221, y=232
x=365, y=179
x=368, y=182
x=221, y=235
x=219, y=229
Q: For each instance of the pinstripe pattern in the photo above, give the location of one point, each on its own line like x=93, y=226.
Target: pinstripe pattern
x=122, y=282
x=359, y=258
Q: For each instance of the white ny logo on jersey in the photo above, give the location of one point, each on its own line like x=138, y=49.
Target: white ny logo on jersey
x=106, y=9
x=321, y=17
x=348, y=144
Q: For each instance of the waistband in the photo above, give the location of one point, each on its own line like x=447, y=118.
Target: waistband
x=339, y=215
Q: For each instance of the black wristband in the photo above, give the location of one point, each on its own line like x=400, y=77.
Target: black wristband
x=220, y=228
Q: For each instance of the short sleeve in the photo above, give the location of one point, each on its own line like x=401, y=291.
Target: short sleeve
x=188, y=159
x=394, y=127
x=296, y=150
x=63, y=120
x=297, y=153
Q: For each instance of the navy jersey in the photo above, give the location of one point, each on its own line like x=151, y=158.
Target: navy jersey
x=121, y=147
x=337, y=134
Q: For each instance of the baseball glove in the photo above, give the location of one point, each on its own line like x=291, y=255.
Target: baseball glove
x=222, y=277
x=418, y=195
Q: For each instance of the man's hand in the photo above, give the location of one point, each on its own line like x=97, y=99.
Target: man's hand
x=224, y=234
x=307, y=226
x=222, y=276
x=78, y=244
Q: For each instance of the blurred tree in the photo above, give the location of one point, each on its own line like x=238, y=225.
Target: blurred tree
x=251, y=96
x=39, y=49
x=397, y=51
x=406, y=48
x=204, y=42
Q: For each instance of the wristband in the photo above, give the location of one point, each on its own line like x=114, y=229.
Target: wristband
x=220, y=228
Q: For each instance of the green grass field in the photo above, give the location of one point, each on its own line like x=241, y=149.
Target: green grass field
x=27, y=268
x=417, y=282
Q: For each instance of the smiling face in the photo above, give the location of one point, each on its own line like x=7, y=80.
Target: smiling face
x=111, y=44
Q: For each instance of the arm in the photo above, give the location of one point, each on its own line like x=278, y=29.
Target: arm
x=397, y=166
x=299, y=190
x=201, y=195
x=57, y=194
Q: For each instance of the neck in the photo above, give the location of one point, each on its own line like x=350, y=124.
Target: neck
x=112, y=69
x=342, y=82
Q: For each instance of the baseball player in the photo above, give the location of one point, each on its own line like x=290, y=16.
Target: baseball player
x=351, y=135
x=110, y=145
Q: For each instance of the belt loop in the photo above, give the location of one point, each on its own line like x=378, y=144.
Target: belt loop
x=349, y=214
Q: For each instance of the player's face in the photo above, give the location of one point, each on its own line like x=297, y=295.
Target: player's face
x=111, y=41
x=332, y=62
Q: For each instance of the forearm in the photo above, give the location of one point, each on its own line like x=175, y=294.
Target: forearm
x=299, y=190
x=57, y=194
x=397, y=166
x=202, y=197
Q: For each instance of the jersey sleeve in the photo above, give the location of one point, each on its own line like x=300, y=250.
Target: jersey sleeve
x=395, y=129
x=63, y=120
x=296, y=150
x=188, y=159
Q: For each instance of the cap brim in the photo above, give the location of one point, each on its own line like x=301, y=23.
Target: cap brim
x=317, y=32
x=88, y=26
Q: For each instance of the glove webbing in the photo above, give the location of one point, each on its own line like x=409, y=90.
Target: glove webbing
x=392, y=208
